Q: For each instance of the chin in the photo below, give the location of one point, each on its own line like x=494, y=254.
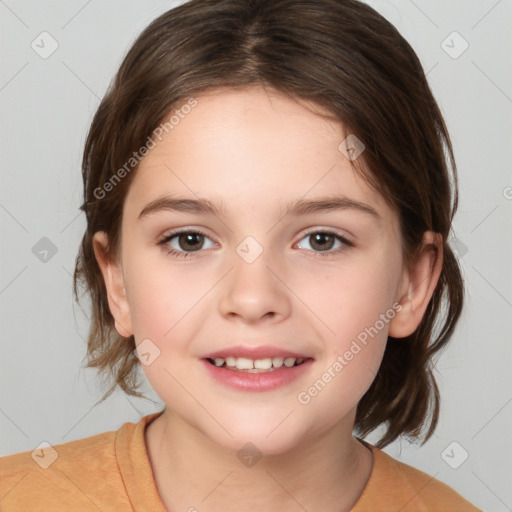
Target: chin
x=264, y=437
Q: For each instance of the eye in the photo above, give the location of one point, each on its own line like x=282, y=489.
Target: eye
x=324, y=242
x=183, y=243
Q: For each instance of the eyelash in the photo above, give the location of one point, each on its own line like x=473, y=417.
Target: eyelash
x=182, y=254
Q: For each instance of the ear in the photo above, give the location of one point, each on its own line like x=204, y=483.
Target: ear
x=114, y=283
x=417, y=286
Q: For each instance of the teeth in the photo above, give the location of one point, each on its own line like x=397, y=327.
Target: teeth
x=243, y=363
x=263, y=364
x=277, y=362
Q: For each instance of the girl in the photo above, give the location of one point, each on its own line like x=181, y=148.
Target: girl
x=268, y=195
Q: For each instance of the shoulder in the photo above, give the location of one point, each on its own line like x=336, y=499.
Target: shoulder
x=46, y=456
x=395, y=485
x=60, y=477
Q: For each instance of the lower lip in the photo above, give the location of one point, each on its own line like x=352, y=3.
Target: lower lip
x=267, y=381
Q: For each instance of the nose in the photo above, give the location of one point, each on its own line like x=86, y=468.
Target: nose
x=254, y=292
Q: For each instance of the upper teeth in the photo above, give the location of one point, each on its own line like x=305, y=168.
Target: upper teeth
x=242, y=363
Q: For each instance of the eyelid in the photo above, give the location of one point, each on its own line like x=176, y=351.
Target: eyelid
x=164, y=240
x=346, y=243
x=332, y=231
x=178, y=231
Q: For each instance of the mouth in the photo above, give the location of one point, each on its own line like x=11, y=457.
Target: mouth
x=256, y=368
x=263, y=365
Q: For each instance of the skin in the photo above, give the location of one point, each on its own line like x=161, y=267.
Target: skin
x=255, y=150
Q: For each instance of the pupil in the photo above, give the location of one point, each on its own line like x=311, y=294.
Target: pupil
x=323, y=241
x=188, y=241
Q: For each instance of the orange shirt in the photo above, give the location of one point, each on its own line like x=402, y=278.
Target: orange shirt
x=111, y=472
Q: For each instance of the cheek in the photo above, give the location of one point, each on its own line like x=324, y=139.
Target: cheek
x=357, y=308
x=355, y=304
x=350, y=299
x=166, y=308
x=162, y=296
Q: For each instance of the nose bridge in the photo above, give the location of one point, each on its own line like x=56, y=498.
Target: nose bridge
x=252, y=291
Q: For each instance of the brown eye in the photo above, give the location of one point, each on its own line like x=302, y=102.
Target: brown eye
x=190, y=241
x=186, y=243
x=324, y=242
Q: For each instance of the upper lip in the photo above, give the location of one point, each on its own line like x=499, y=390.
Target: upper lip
x=254, y=353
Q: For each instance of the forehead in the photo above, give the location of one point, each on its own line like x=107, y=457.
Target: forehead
x=250, y=149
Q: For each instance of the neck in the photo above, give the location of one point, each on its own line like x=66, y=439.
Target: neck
x=327, y=472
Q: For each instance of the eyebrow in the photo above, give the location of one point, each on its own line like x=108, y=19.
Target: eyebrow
x=295, y=208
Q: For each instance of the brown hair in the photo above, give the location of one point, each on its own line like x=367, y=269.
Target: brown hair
x=340, y=54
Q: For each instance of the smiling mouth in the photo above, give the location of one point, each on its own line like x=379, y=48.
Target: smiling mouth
x=266, y=365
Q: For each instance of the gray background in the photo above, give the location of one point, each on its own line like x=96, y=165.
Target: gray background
x=46, y=106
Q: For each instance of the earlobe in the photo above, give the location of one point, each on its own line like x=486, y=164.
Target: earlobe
x=417, y=286
x=114, y=284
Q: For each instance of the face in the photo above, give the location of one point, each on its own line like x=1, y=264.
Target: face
x=320, y=282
